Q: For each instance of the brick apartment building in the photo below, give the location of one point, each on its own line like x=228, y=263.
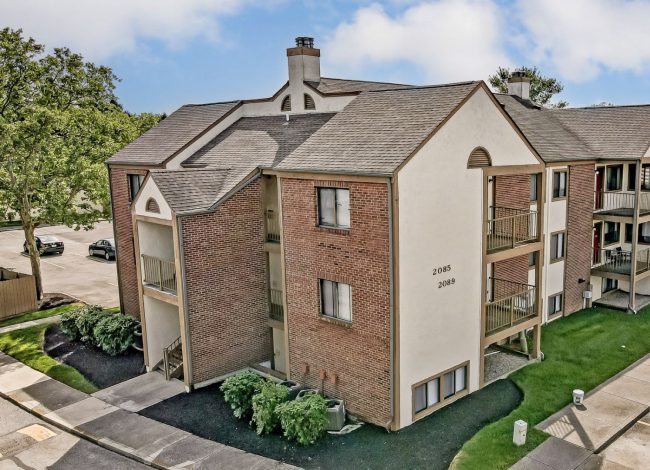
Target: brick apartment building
x=376, y=241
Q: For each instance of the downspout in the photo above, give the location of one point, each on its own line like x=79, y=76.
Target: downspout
x=188, y=345
x=391, y=304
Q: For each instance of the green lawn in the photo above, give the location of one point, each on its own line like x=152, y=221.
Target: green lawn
x=26, y=345
x=38, y=314
x=581, y=351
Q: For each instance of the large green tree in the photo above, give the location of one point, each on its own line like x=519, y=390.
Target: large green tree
x=542, y=88
x=59, y=121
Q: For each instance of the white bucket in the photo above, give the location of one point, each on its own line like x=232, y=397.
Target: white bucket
x=578, y=397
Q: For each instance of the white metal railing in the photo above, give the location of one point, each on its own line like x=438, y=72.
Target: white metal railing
x=159, y=273
x=611, y=201
x=617, y=260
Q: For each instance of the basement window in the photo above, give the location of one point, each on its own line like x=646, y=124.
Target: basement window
x=436, y=391
x=334, y=207
x=336, y=300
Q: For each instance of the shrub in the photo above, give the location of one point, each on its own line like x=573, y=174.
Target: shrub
x=114, y=333
x=305, y=419
x=87, y=319
x=68, y=324
x=238, y=391
x=271, y=394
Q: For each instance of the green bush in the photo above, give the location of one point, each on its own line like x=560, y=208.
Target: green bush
x=238, y=391
x=305, y=419
x=114, y=333
x=87, y=319
x=68, y=324
x=271, y=394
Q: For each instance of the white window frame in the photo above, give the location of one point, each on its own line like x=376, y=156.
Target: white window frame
x=339, y=297
x=339, y=211
x=562, y=184
x=555, y=255
x=553, y=301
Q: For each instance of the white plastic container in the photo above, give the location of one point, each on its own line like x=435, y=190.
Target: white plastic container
x=519, y=432
x=578, y=397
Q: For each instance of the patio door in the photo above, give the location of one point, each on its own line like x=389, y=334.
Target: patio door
x=596, y=243
x=599, y=188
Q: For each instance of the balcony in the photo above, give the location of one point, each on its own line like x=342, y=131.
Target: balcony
x=512, y=303
x=619, y=261
x=508, y=228
x=620, y=204
x=159, y=274
x=272, y=226
x=276, y=309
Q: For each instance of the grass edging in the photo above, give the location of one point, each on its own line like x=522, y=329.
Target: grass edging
x=581, y=351
x=38, y=314
x=26, y=346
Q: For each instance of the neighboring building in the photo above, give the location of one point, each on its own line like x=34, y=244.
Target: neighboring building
x=372, y=240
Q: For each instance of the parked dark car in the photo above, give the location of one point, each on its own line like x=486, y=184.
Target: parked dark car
x=105, y=248
x=46, y=244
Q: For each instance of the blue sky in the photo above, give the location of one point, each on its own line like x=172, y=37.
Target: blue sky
x=170, y=52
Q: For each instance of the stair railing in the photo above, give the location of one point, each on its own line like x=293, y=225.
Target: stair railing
x=167, y=351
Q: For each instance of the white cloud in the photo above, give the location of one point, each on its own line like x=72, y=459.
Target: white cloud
x=580, y=38
x=100, y=29
x=451, y=40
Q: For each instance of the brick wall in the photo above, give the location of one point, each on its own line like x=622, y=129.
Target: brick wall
x=358, y=354
x=225, y=267
x=123, y=232
x=577, y=264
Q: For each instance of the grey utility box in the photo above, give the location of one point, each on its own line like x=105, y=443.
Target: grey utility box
x=335, y=415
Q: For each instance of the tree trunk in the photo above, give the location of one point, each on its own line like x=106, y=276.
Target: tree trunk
x=34, y=255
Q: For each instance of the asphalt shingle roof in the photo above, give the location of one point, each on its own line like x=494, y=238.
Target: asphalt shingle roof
x=328, y=86
x=171, y=134
x=257, y=141
x=378, y=130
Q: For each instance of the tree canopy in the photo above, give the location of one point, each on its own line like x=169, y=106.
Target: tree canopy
x=59, y=122
x=542, y=88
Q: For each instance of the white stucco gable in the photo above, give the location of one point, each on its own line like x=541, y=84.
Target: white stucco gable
x=149, y=191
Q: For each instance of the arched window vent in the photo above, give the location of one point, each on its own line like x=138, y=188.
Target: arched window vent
x=152, y=206
x=309, y=102
x=286, y=103
x=479, y=158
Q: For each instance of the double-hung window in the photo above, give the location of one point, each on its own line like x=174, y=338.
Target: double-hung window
x=559, y=184
x=135, y=181
x=439, y=389
x=336, y=300
x=557, y=246
x=334, y=207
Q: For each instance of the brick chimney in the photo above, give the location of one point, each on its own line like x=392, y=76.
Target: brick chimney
x=519, y=85
x=304, y=61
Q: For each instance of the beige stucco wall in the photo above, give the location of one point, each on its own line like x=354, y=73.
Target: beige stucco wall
x=162, y=325
x=150, y=190
x=440, y=223
x=554, y=221
x=156, y=240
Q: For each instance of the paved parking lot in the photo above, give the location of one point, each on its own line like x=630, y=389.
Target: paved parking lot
x=91, y=279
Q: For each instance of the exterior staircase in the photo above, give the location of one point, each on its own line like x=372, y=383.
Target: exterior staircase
x=173, y=359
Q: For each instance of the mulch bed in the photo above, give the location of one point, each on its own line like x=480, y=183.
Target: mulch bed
x=98, y=367
x=429, y=443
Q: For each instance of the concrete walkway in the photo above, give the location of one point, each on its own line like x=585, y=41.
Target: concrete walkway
x=608, y=431
x=27, y=324
x=141, y=392
x=117, y=429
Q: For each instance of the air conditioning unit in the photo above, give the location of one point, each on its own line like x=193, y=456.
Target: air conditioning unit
x=335, y=415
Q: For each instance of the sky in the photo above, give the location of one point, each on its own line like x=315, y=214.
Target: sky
x=172, y=52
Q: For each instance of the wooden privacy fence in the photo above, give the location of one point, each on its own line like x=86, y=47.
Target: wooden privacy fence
x=17, y=293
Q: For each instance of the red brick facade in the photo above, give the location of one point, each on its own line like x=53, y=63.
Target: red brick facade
x=226, y=286
x=123, y=232
x=354, y=359
x=577, y=264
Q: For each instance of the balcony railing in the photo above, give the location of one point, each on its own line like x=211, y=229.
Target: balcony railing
x=508, y=228
x=276, y=309
x=619, y=261
x=620, y=203
x=511, y=303
x=159, y=273
x=272, y=227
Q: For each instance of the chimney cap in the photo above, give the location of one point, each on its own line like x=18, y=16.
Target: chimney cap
x=518, y=76
x=305, y=41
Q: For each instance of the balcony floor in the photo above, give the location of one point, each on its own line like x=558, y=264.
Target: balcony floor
x=622, y=212
x=618, y=300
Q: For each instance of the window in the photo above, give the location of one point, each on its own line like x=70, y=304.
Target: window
x=135, y=181
x=286, y=103
x=334, y=207
x=557, y=246
x=631, y=177
x=609, y=284
x=427, y=395
x=532, y=259
x=559, y=184
x=555, y=304
x=628, y=233
x=533, y=188
x=614, y=178
x=612, y=234
x=336, y=300
x=644, y=233
x=309, y=102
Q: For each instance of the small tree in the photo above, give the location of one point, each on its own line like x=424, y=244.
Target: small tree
x=59, y=122
x=542, y=88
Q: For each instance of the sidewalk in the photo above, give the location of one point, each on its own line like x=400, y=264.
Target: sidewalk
x=117, y=429
x=589, y=436
x=27, y=324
